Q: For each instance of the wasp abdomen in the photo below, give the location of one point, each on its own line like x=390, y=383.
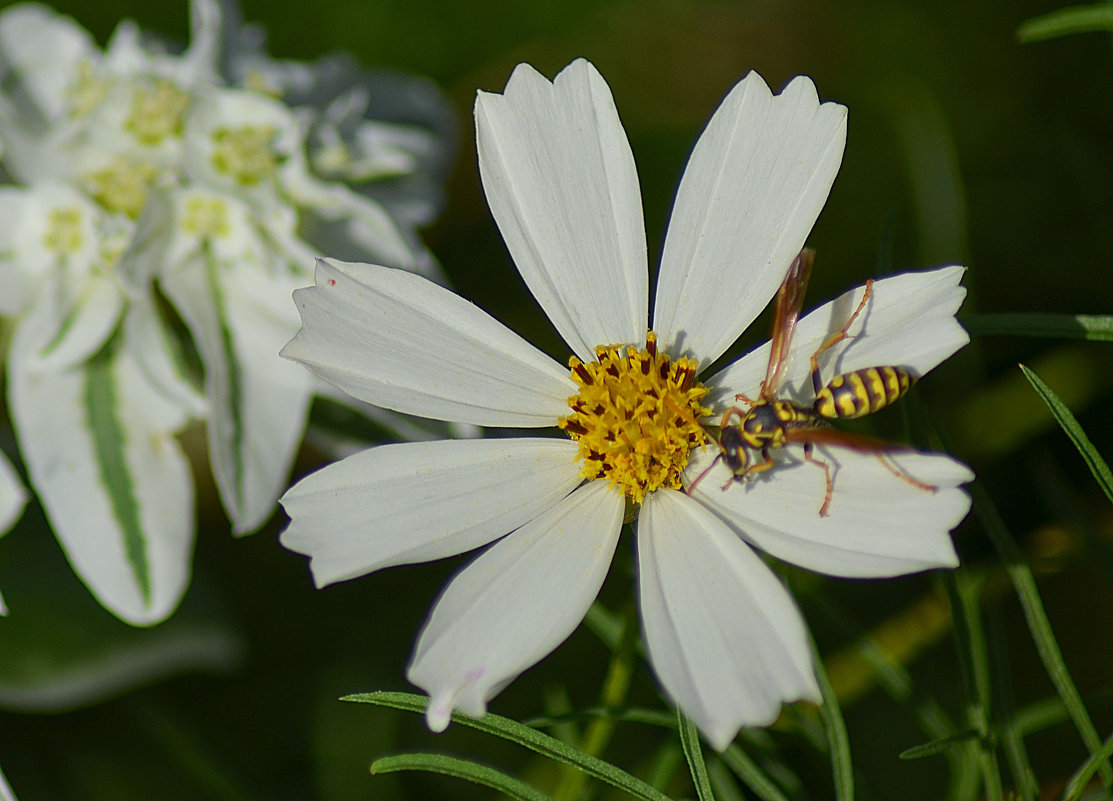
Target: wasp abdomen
x=862, y=392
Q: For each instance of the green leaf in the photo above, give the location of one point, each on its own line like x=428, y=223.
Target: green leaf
x=1081, y=777
x=1092, y=327
x=938, y=746
x=1065, y=21
x=1038, y=624
x=966, y=588
x=838, y=741
x=524, y=736
x=1069, y=423
x=689, y=741
x=751, y=775
x=461, y=769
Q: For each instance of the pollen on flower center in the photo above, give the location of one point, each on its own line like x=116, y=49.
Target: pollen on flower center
x=205, y=217
x=635, y=417
x=64, y=233
x=121, y=187
x=245, y=153
x=157, y=113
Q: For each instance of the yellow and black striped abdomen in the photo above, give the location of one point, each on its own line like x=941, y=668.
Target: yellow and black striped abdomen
x=862, y=392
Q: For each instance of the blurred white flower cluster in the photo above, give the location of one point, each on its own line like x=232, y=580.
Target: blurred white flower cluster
x=160, y=207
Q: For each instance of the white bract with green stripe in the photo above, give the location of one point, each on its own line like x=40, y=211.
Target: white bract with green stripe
x=159, y=210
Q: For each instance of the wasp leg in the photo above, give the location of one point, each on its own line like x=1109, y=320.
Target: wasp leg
x=838, y=336
x=732, y=412
x=706, y=470
x=746, y=400
x=757, y=467
x=809, y=456
x=899, y=473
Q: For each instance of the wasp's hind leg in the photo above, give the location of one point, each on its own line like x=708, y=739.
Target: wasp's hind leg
x=900, y=473
x=809, y=456
x=838, y=336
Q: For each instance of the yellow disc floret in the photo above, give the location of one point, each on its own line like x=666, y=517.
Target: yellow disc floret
x=635, y=417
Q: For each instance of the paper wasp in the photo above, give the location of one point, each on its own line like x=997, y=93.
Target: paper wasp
x=770, y=422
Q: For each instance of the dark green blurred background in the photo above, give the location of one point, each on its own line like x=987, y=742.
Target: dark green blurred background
x=964, y=146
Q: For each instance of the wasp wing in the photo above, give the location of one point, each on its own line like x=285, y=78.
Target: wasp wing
x=790, y=300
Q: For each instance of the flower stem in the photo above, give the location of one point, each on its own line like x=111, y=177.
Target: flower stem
x=616, y=687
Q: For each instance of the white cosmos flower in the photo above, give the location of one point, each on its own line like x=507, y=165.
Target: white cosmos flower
x=724, y=636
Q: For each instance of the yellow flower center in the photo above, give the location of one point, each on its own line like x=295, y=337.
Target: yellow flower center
x=205, y=218
x=64, y=234
x=245, y=153
x=156, y=113
x=121, y=187
x=635, y=417
x=87, y=90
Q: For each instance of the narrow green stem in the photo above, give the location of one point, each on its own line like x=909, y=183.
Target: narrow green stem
x=1039, y=625
x=616, y=688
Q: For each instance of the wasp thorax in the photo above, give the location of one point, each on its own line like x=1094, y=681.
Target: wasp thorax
x=635, y=417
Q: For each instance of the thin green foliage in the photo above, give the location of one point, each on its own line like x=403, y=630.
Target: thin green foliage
x=838, y=741
x=966, y=596
x=689, y=741
x=1069, y=423
x=726, y=789
x=1091, y=327
x=527, y=737
x=1008, y=732
x=616, y=688
x=1065, y=21
x=751, y=775
x=1038, y=624
x=1082, y=776
x=939, y=746
x=461, y=769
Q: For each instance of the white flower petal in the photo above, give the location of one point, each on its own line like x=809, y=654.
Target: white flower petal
x=878, y=524
x=909, y=321
x=561, y=184
x=13, y=497
x=396, y=340
x=6, y=793
x=754, y=186
x=100, y=447
x=515, y=603
x=417, y=501
x=724, y=636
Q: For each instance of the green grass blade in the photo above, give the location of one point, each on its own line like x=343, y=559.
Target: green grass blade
x=689, y=741
x=1082, y=776
x=527, y=737
x=1038, y=624
x=842, y=766
x=939, y=746
x=751, y=775
x=1069, y=423
x=1091, y=327
x=1065, y=21
x=460, y=769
